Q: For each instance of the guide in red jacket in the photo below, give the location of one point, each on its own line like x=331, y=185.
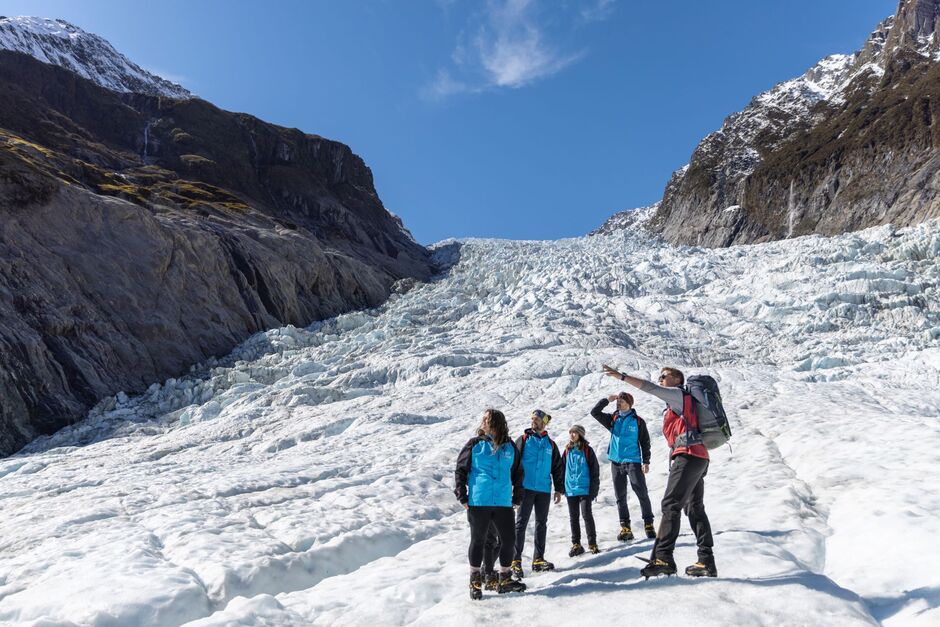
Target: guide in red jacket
x=685, y=488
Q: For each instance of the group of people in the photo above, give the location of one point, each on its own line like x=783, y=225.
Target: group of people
x=500, y=482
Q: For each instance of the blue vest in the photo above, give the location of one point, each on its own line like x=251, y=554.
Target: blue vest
x=537, y=463
x=625, y=439
x=490, y=481
x=577, y=473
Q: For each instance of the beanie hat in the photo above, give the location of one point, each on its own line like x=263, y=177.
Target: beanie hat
x=577, y=429
x=541, y=415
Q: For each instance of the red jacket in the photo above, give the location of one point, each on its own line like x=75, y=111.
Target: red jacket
x=674, y=426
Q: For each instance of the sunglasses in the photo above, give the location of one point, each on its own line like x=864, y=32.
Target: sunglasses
x=662, y=376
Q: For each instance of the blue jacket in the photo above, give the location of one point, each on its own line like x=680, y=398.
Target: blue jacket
x=541, y=462
x=582, y=472
x=488, y=478
x=629, y=437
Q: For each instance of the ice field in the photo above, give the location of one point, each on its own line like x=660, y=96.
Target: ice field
x=307, y=478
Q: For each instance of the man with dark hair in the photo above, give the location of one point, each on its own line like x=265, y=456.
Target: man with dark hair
x=685, y=488
x=543, y=469
x=629, y=455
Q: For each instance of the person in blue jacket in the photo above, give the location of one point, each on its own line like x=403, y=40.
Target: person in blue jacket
x=582, y=482
x=629, y=454
x=541, y=462
x=488, y=483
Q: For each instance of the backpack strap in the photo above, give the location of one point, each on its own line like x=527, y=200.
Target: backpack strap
x=692, y=435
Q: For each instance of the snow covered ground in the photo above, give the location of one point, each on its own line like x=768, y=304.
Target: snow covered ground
x=307, y=478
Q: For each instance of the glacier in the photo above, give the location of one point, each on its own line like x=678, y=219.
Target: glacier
x=307, y=477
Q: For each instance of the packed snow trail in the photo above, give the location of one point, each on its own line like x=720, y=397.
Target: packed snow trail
x=307, y=478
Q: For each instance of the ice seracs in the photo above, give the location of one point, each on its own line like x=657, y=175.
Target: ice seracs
x=307, y=478
x=58, y=42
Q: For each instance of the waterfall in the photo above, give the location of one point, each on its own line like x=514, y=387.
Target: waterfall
x=143, y=155
x=791, y=208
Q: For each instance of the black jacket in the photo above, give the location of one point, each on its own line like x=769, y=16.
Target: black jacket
x=608, y=421
x=594, y=468
x=462, y=472
x=558, y=467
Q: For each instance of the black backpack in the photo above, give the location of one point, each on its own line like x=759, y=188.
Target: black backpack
x=712, y=420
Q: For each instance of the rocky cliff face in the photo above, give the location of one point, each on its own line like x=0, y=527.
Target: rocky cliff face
x=141, y=234
x=848, y=145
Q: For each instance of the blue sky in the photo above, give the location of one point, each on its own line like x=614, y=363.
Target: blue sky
x=508, y=118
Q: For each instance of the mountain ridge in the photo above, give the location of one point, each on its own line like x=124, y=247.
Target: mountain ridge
x=735, y=190
x=141, y=234
x=58, y=42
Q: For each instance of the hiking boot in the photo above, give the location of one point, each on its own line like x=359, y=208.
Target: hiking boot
x=576, y=549
x=658, y=567
x=476, y=585
x=540, y=565
x=491, y=582
x=516, y=569
x=508, y=584
x=702, y=569
x=650, y=530
x=593, y=548
x=626, y=534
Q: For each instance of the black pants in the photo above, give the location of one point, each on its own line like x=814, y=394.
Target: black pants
x=582, y=503
x=685, y=490
x=541, y=501
x=480, y=519
x=490, y=549
x=633, y=472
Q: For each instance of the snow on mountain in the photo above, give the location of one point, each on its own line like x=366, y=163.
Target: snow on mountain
x=629, y=219
x=307, y=478
x=774, y=113
x=58, y=42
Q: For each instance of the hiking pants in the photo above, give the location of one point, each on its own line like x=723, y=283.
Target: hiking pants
x=480, y=519
x=490, y=549
x=685, y=490
x=541, y=501
x=581, y=505
x=634, y=472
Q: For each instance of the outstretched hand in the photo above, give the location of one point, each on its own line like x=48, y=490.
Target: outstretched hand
x=612, y=372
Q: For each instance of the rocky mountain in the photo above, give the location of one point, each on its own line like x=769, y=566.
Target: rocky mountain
x=141, y=234
x=629, y=219
x=849, y=144
x=59, y=43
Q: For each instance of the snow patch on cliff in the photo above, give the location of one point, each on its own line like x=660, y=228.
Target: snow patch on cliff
x=60, y=43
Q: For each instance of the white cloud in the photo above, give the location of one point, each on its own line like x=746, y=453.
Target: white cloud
x=514, y=53
x=444, y=85
x=597, y=11
x=512, y=48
